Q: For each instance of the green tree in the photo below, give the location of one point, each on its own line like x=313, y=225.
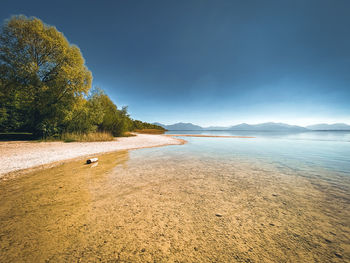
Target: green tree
x=113, y=119
x=42, y=78
x=87, y=114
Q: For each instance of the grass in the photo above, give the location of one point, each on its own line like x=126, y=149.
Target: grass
x=87, y=137
x=128, y=134
x=150, y=131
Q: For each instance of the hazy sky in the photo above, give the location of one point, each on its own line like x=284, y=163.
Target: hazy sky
x=212, y=62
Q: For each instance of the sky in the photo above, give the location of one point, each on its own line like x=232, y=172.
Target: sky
x=211, y=62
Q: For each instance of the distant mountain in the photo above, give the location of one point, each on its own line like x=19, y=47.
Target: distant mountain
x=268, y=126
x=241, y=127
x=181, y=127
x=325, y=126
x=215, y=128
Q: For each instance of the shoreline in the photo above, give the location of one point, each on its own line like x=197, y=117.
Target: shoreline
x=18, y=157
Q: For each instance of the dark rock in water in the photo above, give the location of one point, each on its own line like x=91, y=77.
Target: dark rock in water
x=338, y=255
x=218, y=215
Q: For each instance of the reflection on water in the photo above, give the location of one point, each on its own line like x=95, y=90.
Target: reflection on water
x=322, y=149
x=213, y=199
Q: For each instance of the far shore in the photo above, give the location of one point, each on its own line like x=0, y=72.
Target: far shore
x=18, y=156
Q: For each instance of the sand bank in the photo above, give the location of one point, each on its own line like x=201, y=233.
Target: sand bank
x=15, y=156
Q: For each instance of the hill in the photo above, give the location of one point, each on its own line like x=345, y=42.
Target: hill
x=325, y=126
x=268, y=126
x=181, y=126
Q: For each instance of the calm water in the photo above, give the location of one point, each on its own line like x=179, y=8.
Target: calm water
x=307, y=151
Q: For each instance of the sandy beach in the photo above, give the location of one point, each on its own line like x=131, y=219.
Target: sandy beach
x=17, y=155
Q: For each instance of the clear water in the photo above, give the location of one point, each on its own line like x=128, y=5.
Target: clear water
x=304, y=152
x=277, y=197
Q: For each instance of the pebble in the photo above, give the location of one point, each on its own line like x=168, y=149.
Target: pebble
x=218, y=215
x=143, y=250
x=338, y=255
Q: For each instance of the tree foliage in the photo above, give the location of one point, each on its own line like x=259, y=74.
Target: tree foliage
x=45, y=85
x=42, y=74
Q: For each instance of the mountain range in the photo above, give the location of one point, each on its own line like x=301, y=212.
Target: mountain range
x=324, y=126
x=268, y=126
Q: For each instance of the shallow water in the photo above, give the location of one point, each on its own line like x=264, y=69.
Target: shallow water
x=273, y=198
x=323, y=149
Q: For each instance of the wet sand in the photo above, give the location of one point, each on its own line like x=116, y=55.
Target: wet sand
x=16, y=155
x=146, y=209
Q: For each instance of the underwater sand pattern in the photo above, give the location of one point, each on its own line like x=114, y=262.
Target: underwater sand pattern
x=156, y=208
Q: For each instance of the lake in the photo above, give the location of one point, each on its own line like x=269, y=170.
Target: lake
x=321, y=149
x=278, y=197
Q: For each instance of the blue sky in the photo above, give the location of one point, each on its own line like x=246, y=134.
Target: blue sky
x=212, y=62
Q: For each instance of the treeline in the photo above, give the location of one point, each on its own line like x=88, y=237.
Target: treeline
x=45, y=86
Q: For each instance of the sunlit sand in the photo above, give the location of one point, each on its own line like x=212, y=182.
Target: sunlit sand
x=16, y=156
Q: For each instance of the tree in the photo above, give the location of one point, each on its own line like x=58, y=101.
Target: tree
x=87, y=114
x=42, y=78
x=114, y=120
